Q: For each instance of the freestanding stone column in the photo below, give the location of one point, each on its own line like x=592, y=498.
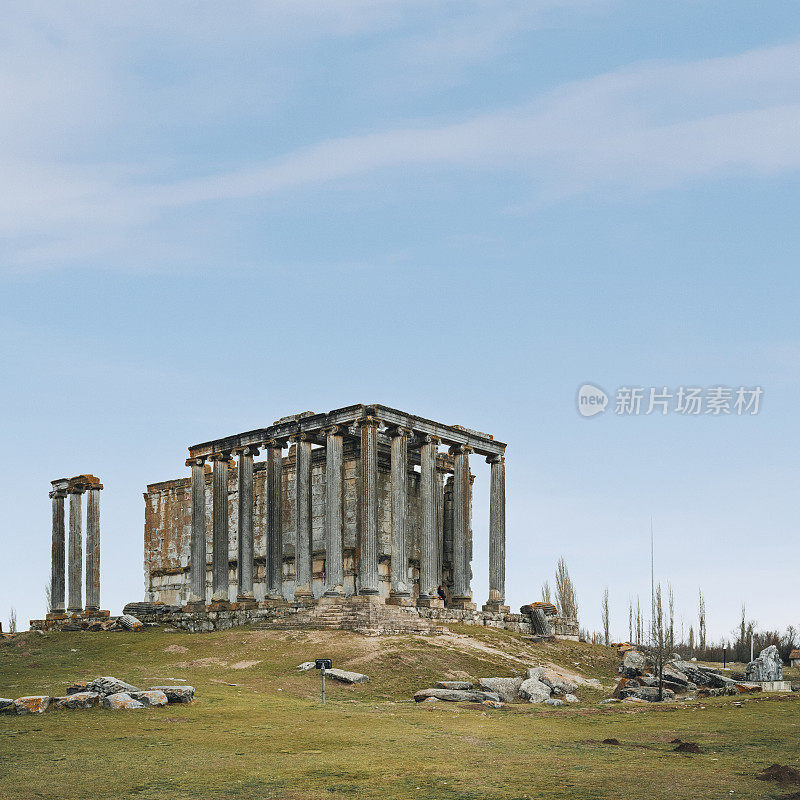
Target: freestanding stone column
x=439, y=522
x=462, y=595
x=220, y=589
x=57, y=566
x=93, y=547
x=75, y=568
x=197, y=543
x=302, y=548
x=399, y=480
x=245, y=595
x=427, y=550
x=368, y=508
x=447, y=535
x=274, y=489
x=334, y=517
x=497, y=535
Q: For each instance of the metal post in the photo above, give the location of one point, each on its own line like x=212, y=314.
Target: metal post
x=323, y=686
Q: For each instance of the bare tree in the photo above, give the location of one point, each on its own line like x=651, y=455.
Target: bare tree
x=546, y=596
x=48, y=599
x=658, y=638
x=12, y=620
x=639, y=623
x=701, y=622
x=605, y=616
x=671, y=629
x=691, y=640
x=630, y=620
x=565, y=591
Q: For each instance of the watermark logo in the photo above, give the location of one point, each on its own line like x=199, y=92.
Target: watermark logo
x=632, y=401
x=591, y=400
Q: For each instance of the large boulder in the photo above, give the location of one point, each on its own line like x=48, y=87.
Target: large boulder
x=767, y=667
x=633, y=664
x=108, y=685
x=534, y=691
x=6, y=705
x=176, y=694
x=121, y=701
x=554, y=701
x=460, y=685
x=697, y=674
x=130, y=623
x=455, y=695
x=506, y=688
x=78, y=700
x=346, y=677
x=152, y=697
x=557, y=682
x=33, y=704
x=649, y=693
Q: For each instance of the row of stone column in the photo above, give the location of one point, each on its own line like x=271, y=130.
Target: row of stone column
x=71, y=567
x=368, y=577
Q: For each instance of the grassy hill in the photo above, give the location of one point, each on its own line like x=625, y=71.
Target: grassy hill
x=258, y=729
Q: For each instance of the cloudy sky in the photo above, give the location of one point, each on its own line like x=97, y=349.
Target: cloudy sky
x=213, y=217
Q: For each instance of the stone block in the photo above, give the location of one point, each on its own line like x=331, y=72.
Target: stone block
x=176, y=694
x=151, y=697
x=78, y=700
x=121, y=701
x=34, y=704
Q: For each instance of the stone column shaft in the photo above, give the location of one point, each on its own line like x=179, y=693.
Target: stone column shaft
x=75, y=567
x=427, y=555
x=439, y=525
x=497, y=531
x=368, y=508
x=93, y=548
x=274, y=488
x=302, y=549
x=399, y=480
x=461, y=525
x=58, y=563
x=197, y=544
x=219, y=541
x=246, y=552
x=447, y=532
x=334, y=512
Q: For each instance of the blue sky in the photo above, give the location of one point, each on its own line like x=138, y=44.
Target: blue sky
x=215, y=217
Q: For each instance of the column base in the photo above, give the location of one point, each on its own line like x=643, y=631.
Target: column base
x=496, y=608
x=369, y=599
x=430, y=602
x=56, y=615
x=74, y=612
x=272, y=602
x=334, y=591
x=463, y=603
x=400, y=599
x=245, y=601
x=219, y=605
x=194, y=606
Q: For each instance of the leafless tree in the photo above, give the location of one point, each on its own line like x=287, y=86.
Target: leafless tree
x=48, y=600
x=12, y=620
x=701, y=622
x=639, y=623
x=605, y=616
x=546, y=595
x=565, y=591
x=671, y=629
x=630, y=620
x=691, y=640
x=658, y=639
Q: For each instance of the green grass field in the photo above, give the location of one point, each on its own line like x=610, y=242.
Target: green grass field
x=259, y=730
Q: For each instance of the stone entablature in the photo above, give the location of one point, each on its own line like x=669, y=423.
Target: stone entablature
x=345, y=512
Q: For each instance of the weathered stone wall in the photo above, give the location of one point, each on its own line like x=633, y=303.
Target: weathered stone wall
x=167, y=530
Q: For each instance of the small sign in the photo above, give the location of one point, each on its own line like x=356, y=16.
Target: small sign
x=323, y=663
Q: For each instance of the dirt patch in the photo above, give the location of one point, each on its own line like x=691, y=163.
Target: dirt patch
x=610, y=741
x=688, y=747
x=201, y=662
x=780, y=773
x=176, y=648
x=244, y=664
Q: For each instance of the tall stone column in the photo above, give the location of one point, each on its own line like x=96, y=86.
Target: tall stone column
x=368, y=508
x=245, y=556
x=274, y=488
x=58, y=564
x=302, y=548
x=75, y=565
x=439, y=522
x=220, y=590
x=497, y=535
x=427, y=550
x=399, y=479
x=197, y=543
x=447, y=535
x=462, y=594
x=334, y=512
x=93, y=547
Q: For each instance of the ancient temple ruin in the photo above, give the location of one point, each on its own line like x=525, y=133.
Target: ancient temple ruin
x=361, y=502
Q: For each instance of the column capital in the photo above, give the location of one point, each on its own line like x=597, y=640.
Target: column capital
x=460, y=449
x=398, y=430
x=368, y=421
x=224, y=456
x=495, y=459
x=195, y=461
x=274, y=444
x=429, y=439
x=247, y=450
x=333, y=430
x=301, y=437
x=60, y=486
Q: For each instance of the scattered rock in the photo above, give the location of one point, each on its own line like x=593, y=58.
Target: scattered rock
x=687, y=747
x=121, y=701
x=78, y=700
x=611, y=741
x=633, y=664
x=506, y=688
x=78, y=686
x=109, y=685
x=346, y=677
x=767, y=667
x=780, y=773
x=557, y=682
x=151, y=697
x=492, y=703
x=534, y=672
x=609, y=700
x=461, y=685
x=570, y=698
x=6, y=705
x=130, y=623
x=455, y=695
x=34, y=704
x=176, y=694
x=747, y=688
x=534, y=691
x=648, y=693
x=306, y=665
x=554, y=701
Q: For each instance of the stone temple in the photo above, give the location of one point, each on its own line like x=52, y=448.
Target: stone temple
x=362, y=501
